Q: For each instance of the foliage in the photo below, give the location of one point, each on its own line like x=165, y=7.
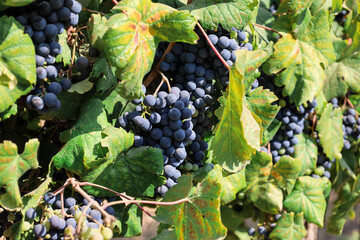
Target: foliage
x=303, y=50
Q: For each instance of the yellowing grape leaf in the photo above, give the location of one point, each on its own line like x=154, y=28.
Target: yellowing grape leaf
x=238, y=134
x=12, y=166
x=289, y=227
x=133, y=34
x=300, y=62
x=197, y=219
x=330, y=131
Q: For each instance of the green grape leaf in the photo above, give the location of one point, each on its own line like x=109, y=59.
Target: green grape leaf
x=289, y=227
x=17, y=62
x=343, y=207
x=91, y=141
x=96, y=29
x=264, y=193
x=16, y=3
x=211, y=13
x=239, y=126
x=258, y=170
x=270, y=131
x=143, y=166
x=133, y=34
x=71, y=103
x=260, y=102
x=12, y=110
x=128, y=223
x=286, y=171
x=267, y=196
x=308, y=197
x=301, y=62
x=197, y=219
x=307, y=151
x=293, y=7
x=231, y=184
x=65, y=55
x=341, y=76
x=81, y=87
x=105, y=75
x=12, y=166
x=330, y=131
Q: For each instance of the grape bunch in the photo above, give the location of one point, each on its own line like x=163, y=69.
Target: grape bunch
x=54, y=226
x=263, y=231
x=293, y=123
x=164, y=122
x=351, y=127
x=43, y=22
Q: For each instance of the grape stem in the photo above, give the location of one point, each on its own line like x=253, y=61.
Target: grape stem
x=115, y=2
x=267, y=28
x=155, y=72
x=158, y=88
x=164, y=78
x=148, y=202
x=78, y=228
x=119, y=194
x=93, y=11
x=349, y=103
x=212, y=46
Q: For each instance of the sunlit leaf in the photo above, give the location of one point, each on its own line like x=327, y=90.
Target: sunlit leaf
x=289, y=227
x=307, y=151
x=198, y=219
x=133, y=34
x=12, y=166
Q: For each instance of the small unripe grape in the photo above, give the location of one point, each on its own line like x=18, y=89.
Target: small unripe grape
x=107, y=233
x=26, y=226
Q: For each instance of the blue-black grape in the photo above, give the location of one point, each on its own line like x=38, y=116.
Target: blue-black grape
x=39, y=230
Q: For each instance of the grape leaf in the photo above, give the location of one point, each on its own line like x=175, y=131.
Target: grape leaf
x=238, y=134
x=231, y=184
x=342, y=75
x=211, y=13
x=264, y=193
x=308, y=197
x=133, y=34
x=105, y=75
x=128, y=223
x=197, y=219
x=71, y=103
x=65, y=55
x=307, y=151
x=12, y=110
x=12, y=167
x=16, y=3
x=267, y=196
x=343, y=206
x=96, y=29
x=301, y=62
x=270, y=131
x=293, y=7
x=91, y=141
x=260, y=102
x=289, y=227
x=330, y=131
x=258, y=170
x=81, y=87
x=142, y=166
x=17, y=62
x=286, y=171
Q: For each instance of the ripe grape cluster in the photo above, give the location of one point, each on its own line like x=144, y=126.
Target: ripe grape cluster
x=165, y=122
x=176, y=122
x=43, y=22
x=53, y=226
x=293, y=123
